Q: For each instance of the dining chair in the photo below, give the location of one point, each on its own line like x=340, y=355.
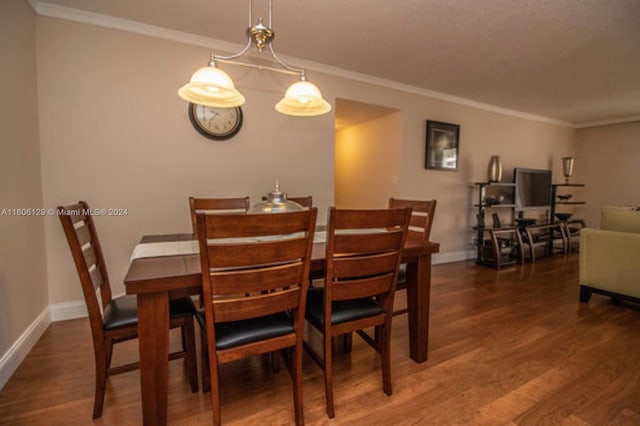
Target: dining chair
x=216, y=205
x=255, y=270
x=363, y=252
x=303, y=201
x=422, y=214
x=114, y=319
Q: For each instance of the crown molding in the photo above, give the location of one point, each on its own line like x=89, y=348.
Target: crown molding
x=33, y=4
x=92, y=18
x=610, y=122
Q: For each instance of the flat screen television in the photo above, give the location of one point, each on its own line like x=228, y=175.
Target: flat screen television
x=533, y=189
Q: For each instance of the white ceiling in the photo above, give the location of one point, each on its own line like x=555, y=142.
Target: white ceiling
x=576, y=61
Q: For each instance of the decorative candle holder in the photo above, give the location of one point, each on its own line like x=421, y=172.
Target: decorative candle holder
x=567, y=167
x=276, y=202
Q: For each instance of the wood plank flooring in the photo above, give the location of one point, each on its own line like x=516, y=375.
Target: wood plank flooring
x=507, y=347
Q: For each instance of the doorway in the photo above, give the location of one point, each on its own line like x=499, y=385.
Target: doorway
x=368, y=150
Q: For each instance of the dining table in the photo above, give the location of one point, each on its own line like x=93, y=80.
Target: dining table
x=159, y=275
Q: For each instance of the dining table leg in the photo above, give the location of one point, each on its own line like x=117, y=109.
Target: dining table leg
x=418, y=301
x=153, y=342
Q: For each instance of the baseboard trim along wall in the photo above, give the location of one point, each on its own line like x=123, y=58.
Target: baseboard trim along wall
x=68, y=310
x=12, y=359
x=452, y=256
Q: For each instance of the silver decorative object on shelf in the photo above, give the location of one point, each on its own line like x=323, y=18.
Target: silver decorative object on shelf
x=567, y=167
x=494, y=172
x=276, y=202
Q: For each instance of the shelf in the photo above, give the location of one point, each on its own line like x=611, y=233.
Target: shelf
x=575, y=185
x=495, y=206
x=495, y=183
x=491, y=228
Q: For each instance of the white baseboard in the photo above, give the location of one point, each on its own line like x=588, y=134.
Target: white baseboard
x=12, y=359
x=68, y=310
x=453, y=256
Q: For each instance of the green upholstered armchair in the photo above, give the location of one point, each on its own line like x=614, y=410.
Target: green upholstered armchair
x=610, y=256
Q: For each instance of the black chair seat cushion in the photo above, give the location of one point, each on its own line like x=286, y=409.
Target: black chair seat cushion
x=237, y=333
x=123, y=311
x=342, y=310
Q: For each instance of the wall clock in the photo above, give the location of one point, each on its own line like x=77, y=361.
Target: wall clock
x=215, y=123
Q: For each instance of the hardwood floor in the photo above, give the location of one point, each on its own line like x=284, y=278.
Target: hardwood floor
x=506, y=347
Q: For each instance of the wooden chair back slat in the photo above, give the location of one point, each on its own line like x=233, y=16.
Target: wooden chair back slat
x=216, y=205
x=83, y=234
x=255, y=225
x=77, y=213
x=376, y=241
x=364, y=287
x=257, y=280
x=354, y=267
x=257, y=253
x=96, y=277
x=422, y=215
x=255, y=306
x=368, y=219
x=90, y=257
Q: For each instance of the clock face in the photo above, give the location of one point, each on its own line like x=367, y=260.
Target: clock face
x=215, y=123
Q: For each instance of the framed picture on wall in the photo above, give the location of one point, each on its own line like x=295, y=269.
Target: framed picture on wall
x=442, y=146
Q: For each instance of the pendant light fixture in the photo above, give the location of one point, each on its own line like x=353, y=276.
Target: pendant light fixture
x=213, y=87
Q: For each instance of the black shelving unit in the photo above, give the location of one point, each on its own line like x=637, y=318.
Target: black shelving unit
x=554, y=198
x=496, y=245
x=574, y=225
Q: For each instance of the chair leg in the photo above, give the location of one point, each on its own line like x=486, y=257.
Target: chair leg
x=215, y=395
x=206, y=374
x=328, y=374
x=297, y=384
x=108, y=353
x=347, y=343
x=189, y=346
x=275, y=361
x=385, y=353
x=102, y=368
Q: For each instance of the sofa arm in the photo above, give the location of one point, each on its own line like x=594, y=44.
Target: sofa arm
x=610, y=260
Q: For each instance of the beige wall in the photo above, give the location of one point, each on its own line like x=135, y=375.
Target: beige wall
x=518, y=142
x=114, y=132
x=607, y=162
x=23, y=279
x=367, y=162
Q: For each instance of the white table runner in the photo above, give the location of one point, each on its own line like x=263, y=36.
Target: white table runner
x=168, y=248
x=177, y=248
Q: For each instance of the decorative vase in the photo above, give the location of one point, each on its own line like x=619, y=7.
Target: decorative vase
x=494, y=172
x=567, y=167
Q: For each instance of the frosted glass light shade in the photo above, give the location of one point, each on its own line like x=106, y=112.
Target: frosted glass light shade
x=303, y=99
x=212, y=87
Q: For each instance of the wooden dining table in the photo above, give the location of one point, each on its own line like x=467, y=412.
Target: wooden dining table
x=154, y=280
